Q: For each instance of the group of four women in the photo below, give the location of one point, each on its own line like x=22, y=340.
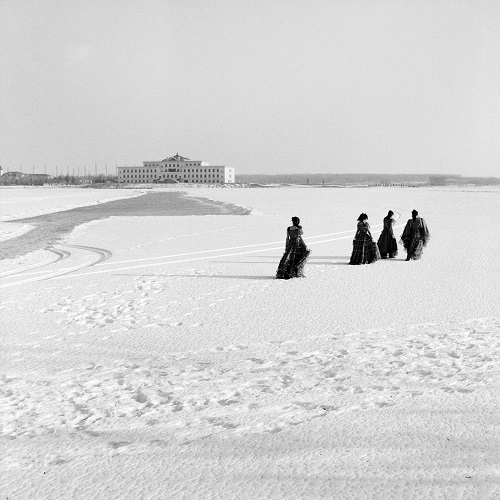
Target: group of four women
x=365, y=251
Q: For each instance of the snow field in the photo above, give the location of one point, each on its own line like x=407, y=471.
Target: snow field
x=258, y=388
x=21, y=203
x=175, y=366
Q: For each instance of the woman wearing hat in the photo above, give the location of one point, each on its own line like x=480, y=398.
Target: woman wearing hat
x=296, y=253
x=364, y=249
x=387, y=242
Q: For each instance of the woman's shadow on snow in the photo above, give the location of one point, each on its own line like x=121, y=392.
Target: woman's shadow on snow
x=341, y=260
x=344, y=261
x=227, y=276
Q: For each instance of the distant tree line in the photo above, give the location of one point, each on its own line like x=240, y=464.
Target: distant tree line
x=65, y=180
x=366, y=179
x=447, y=180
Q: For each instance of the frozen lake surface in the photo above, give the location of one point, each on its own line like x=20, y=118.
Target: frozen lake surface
x=24, y=202
x=157, y=356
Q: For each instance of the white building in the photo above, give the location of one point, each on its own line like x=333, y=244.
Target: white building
x=177, y=169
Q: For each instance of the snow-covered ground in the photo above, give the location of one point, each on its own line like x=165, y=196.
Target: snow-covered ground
x=158, y=358
x=23, y=202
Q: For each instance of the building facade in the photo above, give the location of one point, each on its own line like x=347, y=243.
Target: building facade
x=177, y=169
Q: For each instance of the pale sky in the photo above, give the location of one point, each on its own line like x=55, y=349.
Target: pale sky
x=264, y=86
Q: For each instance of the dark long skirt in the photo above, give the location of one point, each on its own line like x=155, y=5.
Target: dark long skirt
x=293, y=261
x=387, y=245
x=415, y=237
x=364, y=252
x=414, y=248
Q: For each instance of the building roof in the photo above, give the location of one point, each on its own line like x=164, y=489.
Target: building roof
x=177, y=157
x=14, y=173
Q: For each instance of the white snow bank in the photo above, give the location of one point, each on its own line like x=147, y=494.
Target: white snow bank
x=8, y=231
x=21, y=203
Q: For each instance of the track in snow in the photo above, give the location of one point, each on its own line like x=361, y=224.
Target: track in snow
x=102, y=255
x=200, y=255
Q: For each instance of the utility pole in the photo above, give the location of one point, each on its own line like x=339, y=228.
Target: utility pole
x=106, y=169
x=33, y=168
x=57, y=171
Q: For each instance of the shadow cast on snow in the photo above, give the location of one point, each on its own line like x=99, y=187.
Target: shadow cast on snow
x=343, y=258
x=227, y=276
x=310, y=261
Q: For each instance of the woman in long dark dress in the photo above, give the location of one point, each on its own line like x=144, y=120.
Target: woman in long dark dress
x=386, y=243
x=415, y=236
x=296, y=253
x=365, y=250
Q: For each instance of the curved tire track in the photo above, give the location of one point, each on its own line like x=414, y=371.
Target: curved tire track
x=106, y=254
x=61, y=255
x=102, y=253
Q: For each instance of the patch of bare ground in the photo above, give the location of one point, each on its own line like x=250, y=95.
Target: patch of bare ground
x=51, y=228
